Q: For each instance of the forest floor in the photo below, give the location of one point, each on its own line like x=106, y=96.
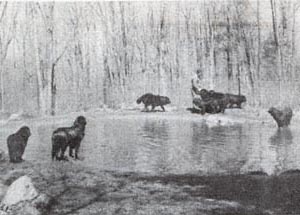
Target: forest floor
x=78, y=190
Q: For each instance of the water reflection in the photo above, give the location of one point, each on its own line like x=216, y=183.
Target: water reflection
x=282, y=136
x=283, y=144
x=199, y=131
x=225, y=151
x=152, y=153
x=173, y=146
x=155, y=130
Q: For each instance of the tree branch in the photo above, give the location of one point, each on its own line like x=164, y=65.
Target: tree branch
x=5, y=50
x=43, y=15
x=58, y=58
x=3, y=11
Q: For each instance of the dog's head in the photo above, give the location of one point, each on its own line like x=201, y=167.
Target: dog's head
x=80, y=120
x=243, y=98
x=24, y=131
x=205, y=94
x=139, y=100
x=271, y=110
x=165, y=100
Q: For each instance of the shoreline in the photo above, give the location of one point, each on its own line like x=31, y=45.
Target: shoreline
x=232, y=115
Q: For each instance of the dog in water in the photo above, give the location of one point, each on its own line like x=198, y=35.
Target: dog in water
x=68, y=137
x=282, y=117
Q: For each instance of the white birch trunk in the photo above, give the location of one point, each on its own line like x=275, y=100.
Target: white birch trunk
x=40, y=88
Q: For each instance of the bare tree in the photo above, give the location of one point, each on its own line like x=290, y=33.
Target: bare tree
x=258, y=51
x=277, y=45
x=229, y=48
x=6, y=37
x=66, y=55
x=52, y=58
x=295, y=8
x=212, y=53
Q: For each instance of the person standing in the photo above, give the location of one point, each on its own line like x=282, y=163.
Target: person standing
x=196, y=84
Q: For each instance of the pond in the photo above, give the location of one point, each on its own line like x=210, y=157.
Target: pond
x=170, y=145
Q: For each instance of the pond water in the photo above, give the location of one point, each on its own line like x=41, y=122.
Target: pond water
x=170, y=145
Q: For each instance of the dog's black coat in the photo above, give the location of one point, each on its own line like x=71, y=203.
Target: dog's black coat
x=153, y=100
x=17, y=143
x=68, y=137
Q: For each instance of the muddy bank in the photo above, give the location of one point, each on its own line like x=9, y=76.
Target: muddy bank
x=77, y=190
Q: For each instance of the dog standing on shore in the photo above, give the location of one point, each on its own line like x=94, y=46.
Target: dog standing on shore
x=17, y=143
x=153, y=100
x=68, y=136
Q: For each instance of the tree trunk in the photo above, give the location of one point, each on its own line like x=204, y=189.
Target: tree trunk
x=53, y=90
x=39, y=79
x=51, y=66
x=125, y=60
x=161, y=47
x=274, y=22
x=277, y=45
x=2, y=87
x=228, y=53
x=24, y=56
x=24, y=74
x=239, y=77
x=293, y=42
x=258, y=55
x=211, y=51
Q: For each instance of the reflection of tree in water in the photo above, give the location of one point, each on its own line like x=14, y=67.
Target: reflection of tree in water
x=282, y=140
x=153, y=150
x=282, y=136
x=157, y=131
x=119, y=140
x=222, y=147
x=198, y=135
x=199, y=132
x=235, y=152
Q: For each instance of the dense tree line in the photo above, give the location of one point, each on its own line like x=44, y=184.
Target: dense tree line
x=60, y=57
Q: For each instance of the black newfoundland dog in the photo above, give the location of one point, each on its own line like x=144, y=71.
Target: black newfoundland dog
x=282, y=117
x=68, y=136
x=17, y=143
x=153, y=100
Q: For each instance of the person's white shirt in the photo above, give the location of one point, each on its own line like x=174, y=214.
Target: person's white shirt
x=196, y=82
